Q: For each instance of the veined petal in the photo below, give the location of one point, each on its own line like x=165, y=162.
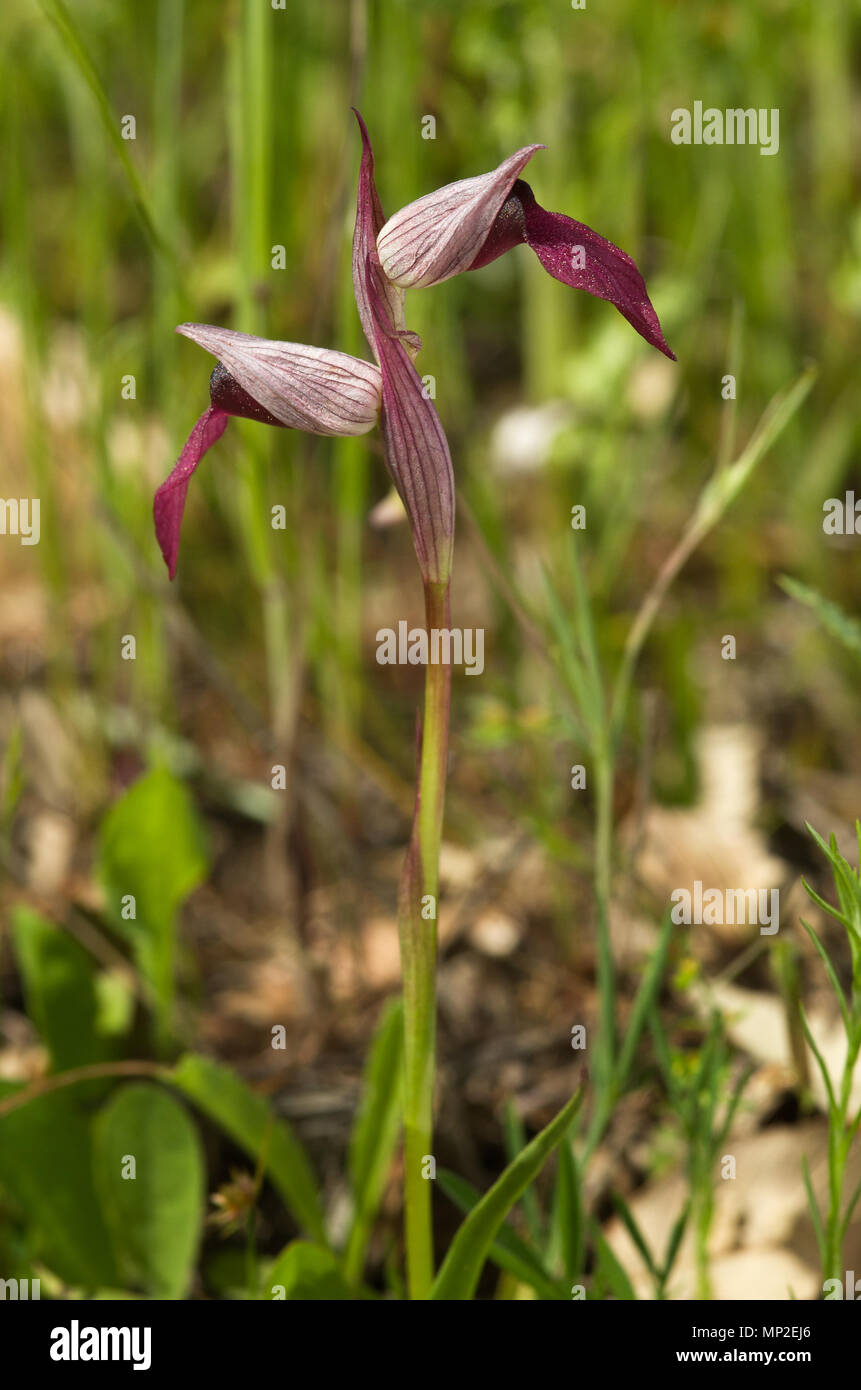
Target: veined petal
x=416, y=449
x=369, y=219
x=441, y=234
x=169, y=502
x=305, y=388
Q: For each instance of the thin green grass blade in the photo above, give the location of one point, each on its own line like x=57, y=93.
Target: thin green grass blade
x=509, y=1250
x=811, y=1043
x=461, y=1268
x=610, y=1270
x=568, y=1228
x=62, y=21
x=375, y=1132
x=815, y=1215
x=515, y=1142
x=674, y=1243
x=646, y=996
x=630, y=1224
x=830, y=972
x=836, y=622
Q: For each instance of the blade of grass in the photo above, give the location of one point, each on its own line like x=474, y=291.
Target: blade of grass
x=62, y=21
x=462, y=1265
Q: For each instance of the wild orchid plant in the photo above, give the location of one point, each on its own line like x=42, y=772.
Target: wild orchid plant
x=460, y=227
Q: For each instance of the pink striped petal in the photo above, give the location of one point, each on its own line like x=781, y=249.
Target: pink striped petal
x=305, y=388
x=169, y=502
x=414, y=443
x=369, y=219
x=441, y=234
x=416, y=449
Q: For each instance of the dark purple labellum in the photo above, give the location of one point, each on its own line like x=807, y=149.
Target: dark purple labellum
x=508, y=231
x=227, y=395
x=571, y=252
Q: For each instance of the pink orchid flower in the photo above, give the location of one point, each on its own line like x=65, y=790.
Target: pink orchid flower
x=286, y=384
x=466, y=225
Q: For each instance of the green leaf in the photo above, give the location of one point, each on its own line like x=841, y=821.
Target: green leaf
x=307, y=1272
x=515, y=1140
x=836, y=622
x=375, y=1132
x=634, y=1232
x=59, y=983
x=674, y=1243
x=461, y=1267
x=815, y=1214
x=568, y=1228
x=46, y=1169
x=830, y=972
x=647, y=994
x=726, y=483
x=152, y=851
x=155, y=1216
x=250, y=1123
x=509, y=1250
x=609, y=1270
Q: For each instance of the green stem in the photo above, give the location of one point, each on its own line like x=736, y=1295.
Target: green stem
x=417, y=927
x=605, y=1052
x=702, y=1226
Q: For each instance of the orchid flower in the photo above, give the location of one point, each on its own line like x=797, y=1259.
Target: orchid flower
x=286, y=384
x=468, y=224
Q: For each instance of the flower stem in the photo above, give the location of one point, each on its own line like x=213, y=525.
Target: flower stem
x=417, y=927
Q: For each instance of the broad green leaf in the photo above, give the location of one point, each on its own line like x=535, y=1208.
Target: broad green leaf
x=461, y=1267
x=226, y=1099
x=154, y=1209
x=375, y=1132
x=46, y=1169
x=59, y=982
x=151, y=859
x=509, y=1250
x=307, y=1272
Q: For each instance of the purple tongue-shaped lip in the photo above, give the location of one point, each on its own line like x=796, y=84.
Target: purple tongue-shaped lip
x=226, y=394
x=571, y=252
x=228, y=398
